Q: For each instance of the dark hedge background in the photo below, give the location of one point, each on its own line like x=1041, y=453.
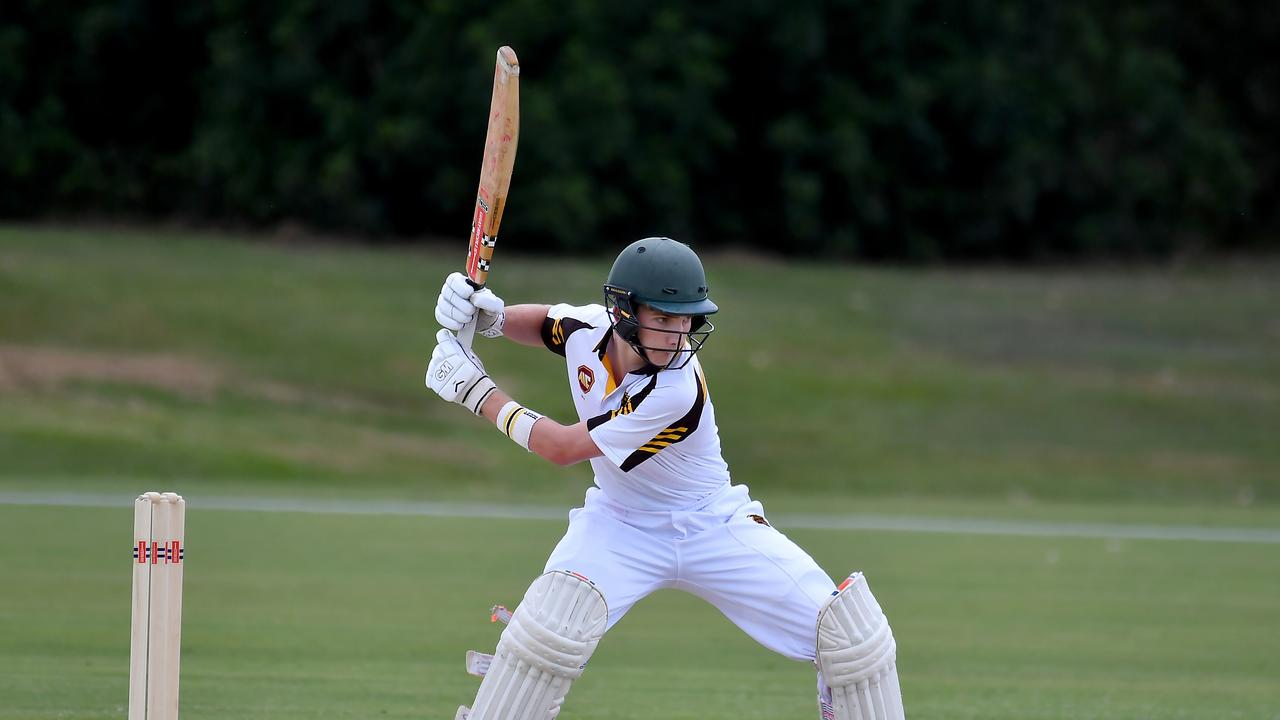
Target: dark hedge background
x=877, y=130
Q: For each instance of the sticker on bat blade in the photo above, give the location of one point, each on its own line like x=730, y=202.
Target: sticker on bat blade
x=477, y=240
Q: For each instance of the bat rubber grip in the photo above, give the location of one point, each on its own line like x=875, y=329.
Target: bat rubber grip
x=467, y=335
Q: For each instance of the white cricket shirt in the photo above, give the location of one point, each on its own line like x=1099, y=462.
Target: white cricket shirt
x=657, y=429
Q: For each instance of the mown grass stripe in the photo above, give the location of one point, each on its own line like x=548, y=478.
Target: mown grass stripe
x=502, y=511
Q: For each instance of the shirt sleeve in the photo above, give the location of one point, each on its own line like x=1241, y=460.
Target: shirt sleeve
x=636, y=432
x=560, y=324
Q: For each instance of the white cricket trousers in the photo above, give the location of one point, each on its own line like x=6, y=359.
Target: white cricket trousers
x=719, y=551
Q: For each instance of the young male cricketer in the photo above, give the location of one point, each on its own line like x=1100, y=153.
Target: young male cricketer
x=663, y=512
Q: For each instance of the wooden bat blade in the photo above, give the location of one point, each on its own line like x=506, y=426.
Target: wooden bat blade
x=495, y=173
x=495, y=170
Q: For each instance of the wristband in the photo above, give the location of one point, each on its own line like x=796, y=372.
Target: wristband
x=516, y=422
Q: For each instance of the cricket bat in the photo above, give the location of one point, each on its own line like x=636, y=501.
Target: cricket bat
x=495, y=174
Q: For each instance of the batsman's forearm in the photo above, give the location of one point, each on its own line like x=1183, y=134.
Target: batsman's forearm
x=561, y=444
x=524, y=324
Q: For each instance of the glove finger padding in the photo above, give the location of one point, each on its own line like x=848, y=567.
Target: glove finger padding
x=452, y=313
x=453, y=307
x=459, y=303
x=458, y=285
x=488, y=302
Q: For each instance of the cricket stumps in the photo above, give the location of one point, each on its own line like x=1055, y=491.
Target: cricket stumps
x=158, y=553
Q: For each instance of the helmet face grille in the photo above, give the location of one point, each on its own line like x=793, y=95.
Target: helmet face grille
x=622, y=308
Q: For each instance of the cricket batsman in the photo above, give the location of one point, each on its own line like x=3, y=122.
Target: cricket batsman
x=663, y=512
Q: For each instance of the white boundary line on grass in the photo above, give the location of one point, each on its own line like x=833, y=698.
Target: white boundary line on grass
x=500, y=511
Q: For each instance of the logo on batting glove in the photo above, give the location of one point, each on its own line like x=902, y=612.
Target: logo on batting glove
x=443, y=371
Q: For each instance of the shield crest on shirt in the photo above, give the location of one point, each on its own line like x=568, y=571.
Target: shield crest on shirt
x=586, y=378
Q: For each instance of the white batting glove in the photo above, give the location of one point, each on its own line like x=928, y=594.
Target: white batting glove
x=459, y=302
x=457, y=375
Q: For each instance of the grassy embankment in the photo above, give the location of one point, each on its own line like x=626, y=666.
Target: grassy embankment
x=136, y=360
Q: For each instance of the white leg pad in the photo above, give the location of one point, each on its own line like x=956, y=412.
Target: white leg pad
x=543, y=650
x=857, y=656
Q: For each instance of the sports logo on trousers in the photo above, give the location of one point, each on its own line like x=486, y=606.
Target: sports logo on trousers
x=586, y=378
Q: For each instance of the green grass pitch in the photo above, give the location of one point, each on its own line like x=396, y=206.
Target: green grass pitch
x=293, y=615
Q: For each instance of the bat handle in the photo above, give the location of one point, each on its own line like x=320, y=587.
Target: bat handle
x=467, y=335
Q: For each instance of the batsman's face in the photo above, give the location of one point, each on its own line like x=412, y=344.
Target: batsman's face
x=662, y=335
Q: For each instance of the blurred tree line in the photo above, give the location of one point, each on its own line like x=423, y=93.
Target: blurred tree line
x=886, y=130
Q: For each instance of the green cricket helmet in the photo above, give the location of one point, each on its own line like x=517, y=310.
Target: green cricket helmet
x=667, y=276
